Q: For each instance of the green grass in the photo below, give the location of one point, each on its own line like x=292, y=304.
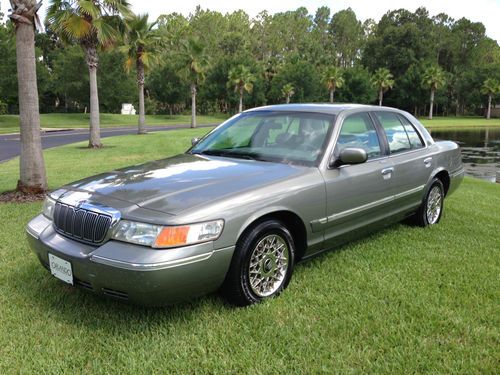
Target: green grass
x=404, y=300
x=459, y=122
x=10, y=123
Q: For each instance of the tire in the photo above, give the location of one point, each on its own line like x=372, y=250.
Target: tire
x=431, y=209
x=259, y=270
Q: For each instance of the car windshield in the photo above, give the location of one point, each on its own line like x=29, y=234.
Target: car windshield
x=286, y=137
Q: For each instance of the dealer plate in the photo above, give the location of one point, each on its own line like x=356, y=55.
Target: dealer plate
x=61, y=269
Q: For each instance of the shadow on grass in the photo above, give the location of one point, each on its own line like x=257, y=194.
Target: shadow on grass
x=94, y=149
x=33, y=290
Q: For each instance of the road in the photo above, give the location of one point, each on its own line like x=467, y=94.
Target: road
x=10, y=146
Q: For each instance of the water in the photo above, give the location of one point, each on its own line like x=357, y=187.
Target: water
x=480, y=150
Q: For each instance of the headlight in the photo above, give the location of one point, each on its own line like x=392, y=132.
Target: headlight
x=163, y=237
x=48, y=208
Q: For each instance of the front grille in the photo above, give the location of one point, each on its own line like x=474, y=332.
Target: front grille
x=81, y=224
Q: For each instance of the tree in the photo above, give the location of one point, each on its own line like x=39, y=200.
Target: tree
x=383, y=80
x=491, y=87
x=32, y=174
x=242, y=79
x=433, y=78
x=195, y=62
x=141, y=44
x=333, y=79
x=347, y=37
x=288, y=91
x=92, y=24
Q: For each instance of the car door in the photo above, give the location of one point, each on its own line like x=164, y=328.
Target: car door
x=409, y=157
x=357, y=195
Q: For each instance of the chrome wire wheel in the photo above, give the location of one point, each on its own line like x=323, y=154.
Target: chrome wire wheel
x=434, y=205
x=268, y=265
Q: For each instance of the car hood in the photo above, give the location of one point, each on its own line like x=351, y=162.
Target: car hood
x=182, y=182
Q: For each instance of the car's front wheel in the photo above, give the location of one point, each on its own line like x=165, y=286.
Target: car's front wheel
x=262, y=264
x=431, y=209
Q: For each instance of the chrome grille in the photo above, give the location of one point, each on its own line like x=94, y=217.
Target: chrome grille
x=81, y=224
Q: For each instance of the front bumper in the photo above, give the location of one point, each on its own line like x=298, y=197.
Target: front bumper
x=135, y=273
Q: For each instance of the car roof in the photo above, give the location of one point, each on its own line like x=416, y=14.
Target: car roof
x=333, y=109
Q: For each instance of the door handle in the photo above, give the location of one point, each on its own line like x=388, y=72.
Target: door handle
x=387, y=171
x=427, y=162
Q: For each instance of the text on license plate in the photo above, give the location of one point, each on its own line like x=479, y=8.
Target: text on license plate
x=61, y=269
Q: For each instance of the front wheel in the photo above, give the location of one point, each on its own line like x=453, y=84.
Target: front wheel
x=431, y=209
x=262, y=264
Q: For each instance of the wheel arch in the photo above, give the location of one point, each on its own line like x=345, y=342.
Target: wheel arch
x=443, y=175
x=290, y=219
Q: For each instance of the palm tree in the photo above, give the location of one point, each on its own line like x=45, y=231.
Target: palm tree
x=333, y=80
x=383, y=80
x=242, y=79
x=433, y=78
x=195, y=63
x=33, y=178
x=287, y=92
x=141, y=44
x=92, y=24
x=491, y=87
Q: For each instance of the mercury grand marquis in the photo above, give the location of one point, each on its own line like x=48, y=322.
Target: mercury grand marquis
x=265, y=189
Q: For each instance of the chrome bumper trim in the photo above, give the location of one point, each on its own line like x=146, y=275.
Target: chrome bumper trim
x=154, y=266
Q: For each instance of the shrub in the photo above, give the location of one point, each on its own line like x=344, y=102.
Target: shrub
x=3, y=108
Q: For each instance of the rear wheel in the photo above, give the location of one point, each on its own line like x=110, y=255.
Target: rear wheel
x=262, y=264
x=431, y=209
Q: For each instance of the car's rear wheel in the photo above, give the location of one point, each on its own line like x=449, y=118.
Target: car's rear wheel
x=262, y=264
x=431, y=209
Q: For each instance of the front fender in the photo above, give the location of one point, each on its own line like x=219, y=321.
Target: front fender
x=263, y=212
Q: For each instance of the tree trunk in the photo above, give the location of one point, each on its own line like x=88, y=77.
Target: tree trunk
x=193, y=105
x=432, y=104
x=95, y=126
x=331, y=95
x=287, y=98
x=32, y=174
x=380, y=97
x=241, y=100
x=488, y=113
x=142, y=112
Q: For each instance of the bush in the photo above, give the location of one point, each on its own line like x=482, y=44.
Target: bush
x=151, y=106
x=3, y=108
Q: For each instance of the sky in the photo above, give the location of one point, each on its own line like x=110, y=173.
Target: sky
x=485, y=11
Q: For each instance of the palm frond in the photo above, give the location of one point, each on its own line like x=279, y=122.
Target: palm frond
x=89, y=8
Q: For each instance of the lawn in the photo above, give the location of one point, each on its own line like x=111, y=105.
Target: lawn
x=404, y=300
x=459, y=122
x=10, y=123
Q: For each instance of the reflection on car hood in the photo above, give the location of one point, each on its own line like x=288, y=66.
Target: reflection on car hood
x=184, y=181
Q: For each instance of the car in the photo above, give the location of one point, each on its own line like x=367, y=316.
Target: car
x=262, y=191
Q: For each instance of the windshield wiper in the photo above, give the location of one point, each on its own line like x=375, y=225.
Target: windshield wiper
x=231, y=154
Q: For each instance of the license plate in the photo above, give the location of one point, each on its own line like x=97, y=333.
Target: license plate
x=61, y=269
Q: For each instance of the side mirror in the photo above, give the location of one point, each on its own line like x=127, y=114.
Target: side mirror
x=353, y=156
x=194, y=141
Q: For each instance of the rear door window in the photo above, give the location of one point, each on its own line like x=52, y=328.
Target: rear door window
x=395, y=131
x=414, y=137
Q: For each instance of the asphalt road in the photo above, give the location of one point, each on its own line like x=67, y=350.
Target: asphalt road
x=10, y=146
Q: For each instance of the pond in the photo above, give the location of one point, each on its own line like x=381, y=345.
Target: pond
x=480, y=150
